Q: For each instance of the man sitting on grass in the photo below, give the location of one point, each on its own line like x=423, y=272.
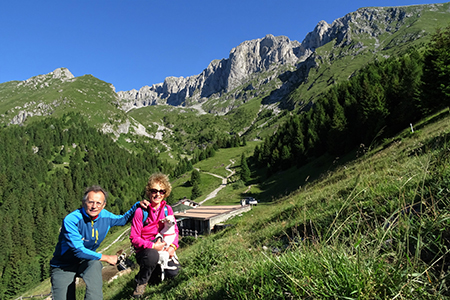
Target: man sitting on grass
x=82, y=232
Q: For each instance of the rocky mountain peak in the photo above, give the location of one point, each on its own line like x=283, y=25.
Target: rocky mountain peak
x=318, y=37
x=372, y=21
x=260, y=55
x=221, y=76
x=62, y=74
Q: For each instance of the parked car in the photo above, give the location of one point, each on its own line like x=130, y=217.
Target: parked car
x=251, y=201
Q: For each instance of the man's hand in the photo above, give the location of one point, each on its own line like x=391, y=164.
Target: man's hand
x=159, y=245
x=144, y=204
x=110, y=259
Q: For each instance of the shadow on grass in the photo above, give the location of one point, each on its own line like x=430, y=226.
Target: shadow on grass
x=152, y=291
x=285, y=182
x=126, y=292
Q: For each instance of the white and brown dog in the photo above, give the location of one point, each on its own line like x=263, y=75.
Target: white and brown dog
x=167, y=234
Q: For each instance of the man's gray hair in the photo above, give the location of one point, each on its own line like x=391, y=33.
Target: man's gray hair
x=96, y=189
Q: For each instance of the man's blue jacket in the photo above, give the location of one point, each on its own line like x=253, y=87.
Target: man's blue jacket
x=80, y=236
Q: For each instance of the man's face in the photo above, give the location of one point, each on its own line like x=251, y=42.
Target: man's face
x=95, y=202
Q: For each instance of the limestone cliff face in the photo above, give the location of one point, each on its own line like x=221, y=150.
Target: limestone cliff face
x=372, y=21
x=221, y=76
x=272, y=54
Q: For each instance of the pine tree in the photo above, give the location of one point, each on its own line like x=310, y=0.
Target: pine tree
x=189, y=166
x=58, y=159
x=285, y=156
x=338, y=130
x=171, y=199
x=244, y=173
x=63, y=151
x=202, y=156
x=195, y=177
x=195, y=191
x=6, y=245
x=23, y=273
x=45, y=238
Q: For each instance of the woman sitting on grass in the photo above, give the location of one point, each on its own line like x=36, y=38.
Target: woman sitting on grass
x=143, y=233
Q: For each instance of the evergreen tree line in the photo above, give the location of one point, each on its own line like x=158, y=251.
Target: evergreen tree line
x=379, y=101
x=184, y=165
x=219, y=143
x=192, y=135
x=44, y=169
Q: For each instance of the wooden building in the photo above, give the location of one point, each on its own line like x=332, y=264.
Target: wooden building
x=202, y=219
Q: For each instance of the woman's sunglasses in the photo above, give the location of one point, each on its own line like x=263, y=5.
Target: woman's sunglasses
x=154, y=191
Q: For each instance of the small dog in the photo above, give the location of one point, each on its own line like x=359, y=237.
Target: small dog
x=167, y=234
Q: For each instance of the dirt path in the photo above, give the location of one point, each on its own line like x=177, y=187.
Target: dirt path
x=224, y=182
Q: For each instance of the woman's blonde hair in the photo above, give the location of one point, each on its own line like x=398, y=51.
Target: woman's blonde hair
x=160, y=178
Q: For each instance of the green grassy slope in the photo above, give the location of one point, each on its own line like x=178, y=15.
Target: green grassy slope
x=88, y=95
x=330, y=237
x=346, y=231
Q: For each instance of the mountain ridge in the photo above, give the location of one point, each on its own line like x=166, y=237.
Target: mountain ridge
x=259, y=55
x=279, y=72
x=221, y=76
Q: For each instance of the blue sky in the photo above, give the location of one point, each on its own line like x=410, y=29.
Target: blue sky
x=133, y=43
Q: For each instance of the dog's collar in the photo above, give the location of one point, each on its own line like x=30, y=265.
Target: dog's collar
x=169, y=234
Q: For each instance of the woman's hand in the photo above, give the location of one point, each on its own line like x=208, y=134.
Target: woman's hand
x=159, y=245
x=171, y=251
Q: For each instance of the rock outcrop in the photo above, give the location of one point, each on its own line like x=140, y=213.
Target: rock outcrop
x=31, y=109
x=40, y=81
